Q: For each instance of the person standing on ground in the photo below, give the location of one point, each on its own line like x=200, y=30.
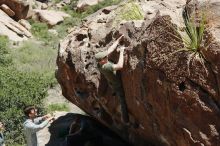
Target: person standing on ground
x=33, y=124
x=1, y=134
x=108, y=69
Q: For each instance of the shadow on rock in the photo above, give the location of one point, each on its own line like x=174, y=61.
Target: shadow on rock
x=80, y=130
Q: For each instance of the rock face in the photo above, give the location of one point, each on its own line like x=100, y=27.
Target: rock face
x=174, y=101
x=14, y=30
x=20, y=8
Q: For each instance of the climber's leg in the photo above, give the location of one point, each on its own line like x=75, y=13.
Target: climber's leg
x=124, y=110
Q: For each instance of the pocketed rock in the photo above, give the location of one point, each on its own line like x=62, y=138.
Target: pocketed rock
x=172, y=102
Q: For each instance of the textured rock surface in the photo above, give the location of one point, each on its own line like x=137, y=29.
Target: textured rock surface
x=174, y=103
x=20, y=7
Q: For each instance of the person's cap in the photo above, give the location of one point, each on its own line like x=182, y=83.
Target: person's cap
x=101, y=55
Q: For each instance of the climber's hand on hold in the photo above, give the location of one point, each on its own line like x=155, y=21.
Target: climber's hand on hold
x=1, y=126
x=121, y=49
x=51, y=119
x=120, y=38
x=47, y=116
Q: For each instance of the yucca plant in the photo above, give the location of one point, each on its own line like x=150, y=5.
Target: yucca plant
x=194, y=40
x=195, y=36
x=194, y=29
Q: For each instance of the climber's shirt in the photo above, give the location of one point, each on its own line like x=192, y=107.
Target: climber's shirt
x=1, y=139
x=31, y=127
x=111, y=76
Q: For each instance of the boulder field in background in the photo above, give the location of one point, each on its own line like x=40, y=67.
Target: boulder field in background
x=19, y=7
x=173, y=103
x=14, y=30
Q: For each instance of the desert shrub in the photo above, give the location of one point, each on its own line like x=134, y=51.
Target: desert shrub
x=128, y=11
x=4, y=53
x=57, y=107
x=131, y=11
x=62, y=28
x=35, y=57
x=40, y=31
x=105, y=3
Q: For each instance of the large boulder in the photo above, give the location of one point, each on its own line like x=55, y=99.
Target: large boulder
x=50, y=17
x=173, y=99
x=14, y=30
x=19, y=7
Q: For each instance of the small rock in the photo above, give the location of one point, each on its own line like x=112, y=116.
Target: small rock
x=44, y=6
x=41, y=5
x=25, y=23
x=53, y=31
x=7, y=10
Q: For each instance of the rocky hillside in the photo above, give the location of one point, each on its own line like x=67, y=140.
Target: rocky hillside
x=15, y=13
x=172, y=95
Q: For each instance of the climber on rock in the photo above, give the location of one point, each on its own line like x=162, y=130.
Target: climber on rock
x=108, y=69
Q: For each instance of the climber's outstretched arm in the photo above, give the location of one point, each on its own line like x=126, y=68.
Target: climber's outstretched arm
x=114, y=45
x=120, y=63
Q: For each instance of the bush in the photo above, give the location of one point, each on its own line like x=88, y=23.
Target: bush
x=18, y=89
x=35, y=57
x=58, y=107
x=62, y=28
x=4, y=54
x=131, y=11
x=40, y=31
x=128, y=11
x=100, y=5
